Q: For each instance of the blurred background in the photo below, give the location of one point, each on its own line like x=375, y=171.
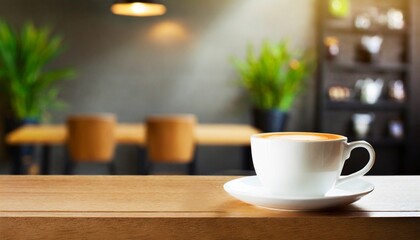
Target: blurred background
x=180, y=63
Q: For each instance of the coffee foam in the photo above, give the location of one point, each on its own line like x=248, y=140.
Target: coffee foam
x=299, y=137
x=302, y=136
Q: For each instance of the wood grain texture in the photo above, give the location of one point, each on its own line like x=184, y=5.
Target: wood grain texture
x=191, y=207
x=134, y=133
x=170, y=138
x=91, y=137
x=209, y=228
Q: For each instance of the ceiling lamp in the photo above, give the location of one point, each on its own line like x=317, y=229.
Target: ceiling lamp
x=138, y=8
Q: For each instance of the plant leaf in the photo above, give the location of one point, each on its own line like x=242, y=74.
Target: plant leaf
x=25, y=78
x=274, y=76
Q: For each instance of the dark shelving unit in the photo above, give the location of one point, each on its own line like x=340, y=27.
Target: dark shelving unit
x=381, y=105
x=373, y=67
x=349, y=30
x=393, y=63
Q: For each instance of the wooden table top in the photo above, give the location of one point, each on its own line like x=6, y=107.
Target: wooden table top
x=194, y=205
x=206, y=134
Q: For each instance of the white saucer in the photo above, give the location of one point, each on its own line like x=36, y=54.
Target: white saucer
x=250, y=190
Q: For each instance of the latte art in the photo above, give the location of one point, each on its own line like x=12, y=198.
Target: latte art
x=299, y=137
x=302, y=136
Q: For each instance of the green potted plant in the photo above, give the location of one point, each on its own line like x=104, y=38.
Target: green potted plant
x=26, y=81
x=273, y=79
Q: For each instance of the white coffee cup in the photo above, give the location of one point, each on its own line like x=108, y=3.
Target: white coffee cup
x=303, y=164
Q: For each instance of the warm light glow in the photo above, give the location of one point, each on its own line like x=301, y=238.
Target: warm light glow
x=168, y=33
x=138, y=9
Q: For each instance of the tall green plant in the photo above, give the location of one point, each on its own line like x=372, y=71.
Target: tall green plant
x=28, y=84
x=274, y=77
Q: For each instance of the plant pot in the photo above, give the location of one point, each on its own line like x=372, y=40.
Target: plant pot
x=12, y=123
x=271, y=120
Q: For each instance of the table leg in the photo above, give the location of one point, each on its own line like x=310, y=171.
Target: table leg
x=45, y=159
x=143, y=164
x=16, y=160
x=192, y=166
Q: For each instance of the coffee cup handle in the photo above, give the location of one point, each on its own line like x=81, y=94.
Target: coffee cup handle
x=347, y=150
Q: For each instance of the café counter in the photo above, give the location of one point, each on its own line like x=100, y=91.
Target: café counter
x=192, y=207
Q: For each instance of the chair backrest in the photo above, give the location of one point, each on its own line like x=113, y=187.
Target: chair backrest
x=171, y=138
x=91, y=137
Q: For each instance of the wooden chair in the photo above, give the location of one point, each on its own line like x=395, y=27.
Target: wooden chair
x=91, y=138
x=171, y=139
